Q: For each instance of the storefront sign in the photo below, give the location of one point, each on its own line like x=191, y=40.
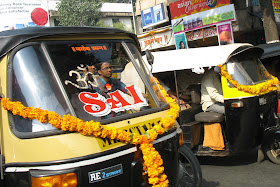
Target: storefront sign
x=16, y=14
x=185, y=8
x=154, y=15
x=196, y=35
x=156, y=39
x=204, y=19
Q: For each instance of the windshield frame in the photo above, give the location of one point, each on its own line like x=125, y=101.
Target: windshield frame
x=42, y=43
x=245, y=75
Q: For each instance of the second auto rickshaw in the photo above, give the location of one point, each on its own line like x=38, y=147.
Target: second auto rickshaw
x=250, y=99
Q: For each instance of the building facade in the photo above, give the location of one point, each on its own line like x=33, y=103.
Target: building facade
x=246, y=25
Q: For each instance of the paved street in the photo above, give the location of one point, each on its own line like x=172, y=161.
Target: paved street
x=239, y=171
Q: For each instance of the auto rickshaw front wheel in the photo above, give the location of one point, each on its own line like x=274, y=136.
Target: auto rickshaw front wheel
x=189, y=168
x=273, y=151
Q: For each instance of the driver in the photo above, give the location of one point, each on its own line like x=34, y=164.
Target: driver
x=212, y=100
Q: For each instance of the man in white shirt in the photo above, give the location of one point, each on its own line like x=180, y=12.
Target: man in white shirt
x=212, y=99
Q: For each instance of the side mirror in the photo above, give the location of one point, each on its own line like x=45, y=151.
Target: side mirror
x=150, y=57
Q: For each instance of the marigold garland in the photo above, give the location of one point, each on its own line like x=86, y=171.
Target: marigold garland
x=260, y=88
x=152, y=160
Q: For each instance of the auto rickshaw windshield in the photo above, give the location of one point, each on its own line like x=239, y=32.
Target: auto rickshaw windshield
x=93, y=80
x=247, y=69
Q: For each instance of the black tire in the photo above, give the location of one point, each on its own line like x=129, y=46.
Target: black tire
x=273, y=152
x=189, y=168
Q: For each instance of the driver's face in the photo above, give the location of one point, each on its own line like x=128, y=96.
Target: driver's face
x=106, y=70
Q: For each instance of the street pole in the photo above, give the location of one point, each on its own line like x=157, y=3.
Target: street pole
x=133, y=18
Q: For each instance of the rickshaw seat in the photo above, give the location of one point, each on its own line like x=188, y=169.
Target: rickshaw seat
x=209, y=117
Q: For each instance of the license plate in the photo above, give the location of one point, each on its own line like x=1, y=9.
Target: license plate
x=106, y=173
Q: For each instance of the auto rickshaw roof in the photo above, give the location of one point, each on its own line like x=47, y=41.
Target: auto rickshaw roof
x=198, y=57
x=270, y=50
x=12, y=38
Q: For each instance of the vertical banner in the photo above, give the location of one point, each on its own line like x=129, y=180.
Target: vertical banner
x=276, y=9
x=225, y=34
x=181, y=41
x=16, y=14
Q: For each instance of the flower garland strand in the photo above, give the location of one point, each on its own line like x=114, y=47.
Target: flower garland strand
x=268, y=86
x=152, y=160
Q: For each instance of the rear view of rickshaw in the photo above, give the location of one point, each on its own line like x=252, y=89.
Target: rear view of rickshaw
x=80, y=108
x=250, y=100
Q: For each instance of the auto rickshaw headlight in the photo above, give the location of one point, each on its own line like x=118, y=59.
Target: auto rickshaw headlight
x=63, y=180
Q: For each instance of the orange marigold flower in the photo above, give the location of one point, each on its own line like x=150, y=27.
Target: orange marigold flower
x=159, y=129
x=152, y=134
x=136, y=139
x=114, y=133
x=163, y=177
x=54, y=119
x=154, y=180
x=42, y=115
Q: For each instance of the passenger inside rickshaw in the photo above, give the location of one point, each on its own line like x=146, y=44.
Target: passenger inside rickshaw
x=204, y=93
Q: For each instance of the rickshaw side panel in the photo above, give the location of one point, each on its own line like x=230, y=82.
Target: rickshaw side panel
x=246, y=125
x=243, y=129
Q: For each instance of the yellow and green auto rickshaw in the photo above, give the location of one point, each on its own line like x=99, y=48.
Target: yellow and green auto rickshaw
x=62, y=125
x=250, y=98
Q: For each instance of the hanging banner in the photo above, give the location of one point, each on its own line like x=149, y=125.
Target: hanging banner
x=185, y=8
x=204, y=19
x=156, y=39
x=181, y=41
x=16, y=14
x=225, y=34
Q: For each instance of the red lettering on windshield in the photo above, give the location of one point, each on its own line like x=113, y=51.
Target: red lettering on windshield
x=117, y=100
x=95, y=104
x=98, y=105
x=134, y=94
